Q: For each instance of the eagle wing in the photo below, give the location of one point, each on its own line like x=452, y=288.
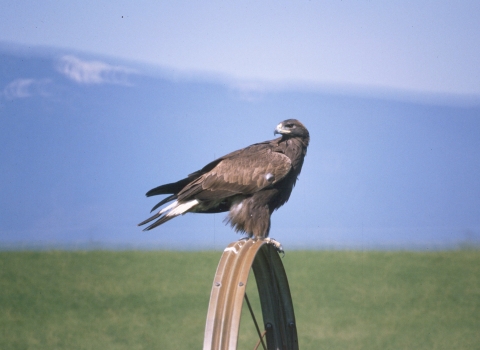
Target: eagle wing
x=246, y=172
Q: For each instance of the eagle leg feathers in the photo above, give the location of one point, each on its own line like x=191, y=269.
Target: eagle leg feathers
x=249, y=216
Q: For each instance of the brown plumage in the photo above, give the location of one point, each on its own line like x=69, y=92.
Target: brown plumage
x=249, y=183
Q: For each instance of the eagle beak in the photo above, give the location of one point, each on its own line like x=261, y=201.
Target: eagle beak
x=280, y=130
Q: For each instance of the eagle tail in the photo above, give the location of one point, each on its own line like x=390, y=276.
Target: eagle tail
x=169, y=212
x=150, y=219
x=160, y=221
x=163, y=201
x=173, y=187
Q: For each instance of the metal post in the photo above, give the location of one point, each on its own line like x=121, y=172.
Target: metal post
x=228, y=290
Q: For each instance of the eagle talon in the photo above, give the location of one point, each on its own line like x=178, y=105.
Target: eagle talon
x=277, y=245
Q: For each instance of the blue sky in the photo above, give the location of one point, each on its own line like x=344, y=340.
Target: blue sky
x=96, y=109
x=426, y=46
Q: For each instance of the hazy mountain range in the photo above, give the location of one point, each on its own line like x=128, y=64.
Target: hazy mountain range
x=82, y=138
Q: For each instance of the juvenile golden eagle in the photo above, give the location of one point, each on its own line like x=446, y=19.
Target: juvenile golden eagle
x=249, y=183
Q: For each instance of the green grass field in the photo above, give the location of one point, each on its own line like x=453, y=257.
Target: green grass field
x=158, y=300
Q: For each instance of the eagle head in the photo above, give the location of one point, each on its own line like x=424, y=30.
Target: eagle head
x=291, y=128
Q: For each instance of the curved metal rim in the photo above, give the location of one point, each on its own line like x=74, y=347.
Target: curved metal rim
x=275, y=299
x=228, y=290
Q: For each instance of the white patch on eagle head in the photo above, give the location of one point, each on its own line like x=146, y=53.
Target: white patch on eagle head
x=280, y=130
x=269, y=177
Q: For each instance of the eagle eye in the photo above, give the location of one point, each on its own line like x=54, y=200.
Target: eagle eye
x=290, y=126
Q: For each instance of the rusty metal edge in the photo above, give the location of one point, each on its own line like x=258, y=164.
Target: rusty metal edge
x=228, y=289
